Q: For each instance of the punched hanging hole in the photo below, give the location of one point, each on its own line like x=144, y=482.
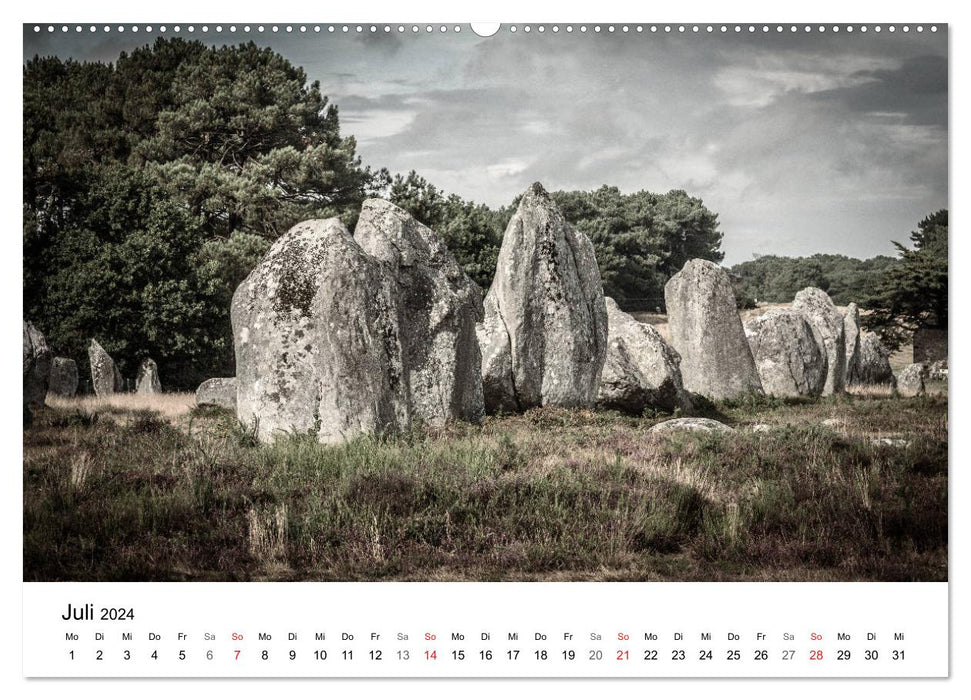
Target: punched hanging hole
x=485, y=29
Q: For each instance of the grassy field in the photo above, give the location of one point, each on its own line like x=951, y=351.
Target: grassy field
x=847, y=488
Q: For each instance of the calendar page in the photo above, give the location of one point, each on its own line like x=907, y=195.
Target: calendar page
x=514, y=350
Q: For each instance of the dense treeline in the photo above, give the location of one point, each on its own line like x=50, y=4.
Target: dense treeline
x=899, y=295
x=774, y=278
x=154, y=184
x=641, y=239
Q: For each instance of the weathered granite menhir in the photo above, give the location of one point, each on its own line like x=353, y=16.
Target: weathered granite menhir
x=106, y=379
x=873, y=368
x=911, y=380
x=218, y=391
x=706, y=330
x=788, y=353
x=852, y=340
x=641, y=370
x=344, y=336
x=37, y=367
x=147, y=381
x=822, y=313
x=544, y=336
x=64, y=377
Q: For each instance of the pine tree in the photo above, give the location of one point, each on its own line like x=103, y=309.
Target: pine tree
x=914, y=293
x=152, y=186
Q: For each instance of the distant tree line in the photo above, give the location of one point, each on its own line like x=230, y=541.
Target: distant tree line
x=776, y=279
x=899, y=295
x=152, y=185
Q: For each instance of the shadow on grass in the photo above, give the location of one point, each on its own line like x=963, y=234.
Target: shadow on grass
x=550, y=494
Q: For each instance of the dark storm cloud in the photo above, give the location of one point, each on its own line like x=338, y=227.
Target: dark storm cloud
x=802, y=142
x=916, y=92
x=388, y=43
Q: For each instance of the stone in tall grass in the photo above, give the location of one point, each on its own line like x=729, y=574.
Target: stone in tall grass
x=910, y=381
x=317, y=339
x=545, y=311
x=147, y=381
x=874, y=366
x=695, y=425
x=826, y=318
x=37, y=367
x=851, y=334
x=106, y=379
x=788, y=353
x=438, y=308
x=705, y=329
x=64, y=377
x=641, y=370
x=218, y=391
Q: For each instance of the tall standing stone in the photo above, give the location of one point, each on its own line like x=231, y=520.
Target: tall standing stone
x=105, y=376
x=874, y=365
x=37, y=367
x=851, y=333
x=545, y=310
x=147, y=381
x=705, y=329
x=826, y=318
x=788, y=353
x=641, y=370
x=64, y=377
x=438, y=309
x=315, y=327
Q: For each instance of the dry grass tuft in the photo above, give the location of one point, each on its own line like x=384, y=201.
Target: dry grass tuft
x=80, y=469
x=170, y=406
x=870, y=390
x=268, y=533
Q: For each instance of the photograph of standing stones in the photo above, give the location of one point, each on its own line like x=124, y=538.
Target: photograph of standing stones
x=558, y=305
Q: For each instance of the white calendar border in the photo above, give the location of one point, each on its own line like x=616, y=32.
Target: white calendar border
x=603, y=10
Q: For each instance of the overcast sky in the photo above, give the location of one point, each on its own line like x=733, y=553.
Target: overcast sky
x=802, y=143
